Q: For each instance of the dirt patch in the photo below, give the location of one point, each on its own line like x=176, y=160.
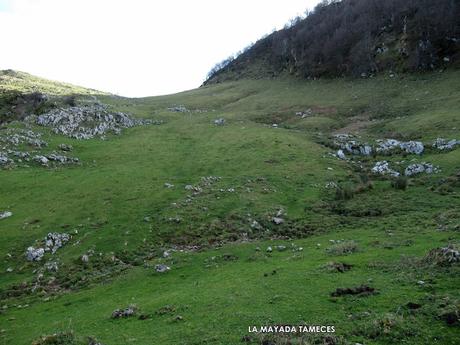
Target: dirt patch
x=356, y=124
x=363, y=290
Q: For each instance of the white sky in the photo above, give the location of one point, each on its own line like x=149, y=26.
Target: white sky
x=133, y=47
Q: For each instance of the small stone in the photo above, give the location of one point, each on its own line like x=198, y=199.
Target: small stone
x=281, y=248
x=5, y=214
x=219, y=122
x=65, y=147
x=85, y=258
x=278, y=220
x=269, y=249
x=169, y=185
x=341, y=154
x=160, y=268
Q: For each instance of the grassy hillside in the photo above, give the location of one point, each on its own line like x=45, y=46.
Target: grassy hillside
x=222, y=279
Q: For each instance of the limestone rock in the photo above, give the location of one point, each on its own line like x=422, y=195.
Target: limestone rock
x=34, y=254
x=160, y=268
x=5, y=214
x=383, y=168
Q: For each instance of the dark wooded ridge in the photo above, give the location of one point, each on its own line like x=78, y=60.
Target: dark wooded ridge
x=354, y=37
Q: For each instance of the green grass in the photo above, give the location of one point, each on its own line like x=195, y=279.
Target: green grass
x=121, y=181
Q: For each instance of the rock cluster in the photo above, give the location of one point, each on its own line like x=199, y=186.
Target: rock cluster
x=55, y=240
x=54, y=157
x=87, y=122
x=123, y=313
x=52, y=242
x=383, y=168
x=15, y=137
x=418, y=168
x=34, y=254
x=445, y=145
x=346, y=143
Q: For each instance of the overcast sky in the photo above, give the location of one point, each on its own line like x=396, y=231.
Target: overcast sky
x=136, y=47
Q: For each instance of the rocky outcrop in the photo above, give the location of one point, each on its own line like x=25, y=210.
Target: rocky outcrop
x=350, y=144
x=87, y=122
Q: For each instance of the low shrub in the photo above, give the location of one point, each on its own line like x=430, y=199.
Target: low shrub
x=343, y=248
x=400, y=183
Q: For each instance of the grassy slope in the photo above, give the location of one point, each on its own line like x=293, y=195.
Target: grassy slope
x=121, y=181
x=27, y=83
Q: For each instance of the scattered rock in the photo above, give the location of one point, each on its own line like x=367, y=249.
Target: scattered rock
x=269, y=249
x=304, y=114
x=168, y=185
x=51, y=266
x=178, y=109
x=281, y=248
x=85, y=258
